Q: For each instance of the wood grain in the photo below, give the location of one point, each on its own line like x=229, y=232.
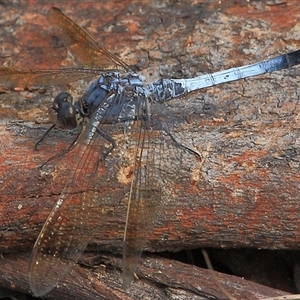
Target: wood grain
x=243, y=192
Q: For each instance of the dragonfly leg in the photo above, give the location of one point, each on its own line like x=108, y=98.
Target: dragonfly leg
x=109, y=150
x=43, y=137
x=110, y=140
x=70, y=148
x=176, y=143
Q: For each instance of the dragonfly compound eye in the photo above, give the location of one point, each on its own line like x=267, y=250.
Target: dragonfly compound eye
x=63, y=113
x=63, y=97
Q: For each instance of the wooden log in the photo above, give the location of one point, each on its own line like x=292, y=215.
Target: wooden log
x=160, y=278
x=244, y=191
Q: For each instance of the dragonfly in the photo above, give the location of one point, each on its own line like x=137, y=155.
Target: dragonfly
x=118, y=96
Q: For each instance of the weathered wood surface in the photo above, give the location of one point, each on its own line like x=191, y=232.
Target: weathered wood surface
x=170, y=280
x=244, y=192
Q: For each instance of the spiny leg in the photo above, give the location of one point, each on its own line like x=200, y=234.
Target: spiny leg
x=70, y=148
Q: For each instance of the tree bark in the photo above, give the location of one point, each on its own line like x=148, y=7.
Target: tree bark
x=159, y=278
x=244, y=193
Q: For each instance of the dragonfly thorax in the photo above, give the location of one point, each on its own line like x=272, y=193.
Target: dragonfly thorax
x=111, y=94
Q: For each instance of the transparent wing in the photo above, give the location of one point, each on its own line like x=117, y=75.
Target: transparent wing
x=82, y=45
x=85, y=49
x=68, y=228
x=161, y=162
x=13, y=77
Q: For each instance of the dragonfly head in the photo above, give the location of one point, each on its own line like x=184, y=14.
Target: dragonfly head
x=63, y=113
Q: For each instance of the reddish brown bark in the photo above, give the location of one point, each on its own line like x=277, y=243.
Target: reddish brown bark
x=244, y=192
